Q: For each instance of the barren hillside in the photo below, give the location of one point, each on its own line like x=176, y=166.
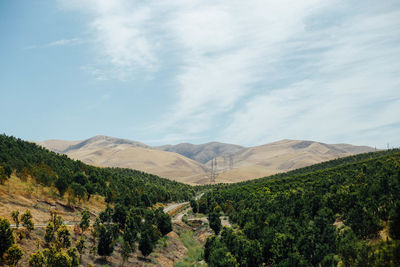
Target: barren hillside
x=114, y=152
x=280, y=156
x=184, y=162
x=203, y=152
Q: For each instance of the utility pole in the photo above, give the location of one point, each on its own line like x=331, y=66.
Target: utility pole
x=213, y=170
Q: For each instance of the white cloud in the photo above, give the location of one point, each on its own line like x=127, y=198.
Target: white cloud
x=226, y=48
x=120, y=31
x=64, y=42
x=352, y=91
x=322, y=70
x=57, y=43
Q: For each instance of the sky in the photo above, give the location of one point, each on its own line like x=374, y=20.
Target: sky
x=165, y=72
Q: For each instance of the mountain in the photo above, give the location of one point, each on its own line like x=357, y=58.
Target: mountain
x=190, y=163
x=203, y=152
x=59, y=146
x=65, y=146
x=281, y=156
x=114, y=152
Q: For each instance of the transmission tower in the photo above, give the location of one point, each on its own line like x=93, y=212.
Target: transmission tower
x=230, y=162
x=213, y=170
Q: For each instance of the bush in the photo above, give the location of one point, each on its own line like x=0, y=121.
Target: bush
x=13, y=255
x=6, y=236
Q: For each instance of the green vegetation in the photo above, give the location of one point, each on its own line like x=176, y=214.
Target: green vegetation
x=194, y=253
x=26, y=219
x=320, y=215
x=6, y=236
x=85, y=221
x=13, y=255
x=15, y=217
x=215, y=222
x=81, y=181
x=344, y=211
x=132, y=194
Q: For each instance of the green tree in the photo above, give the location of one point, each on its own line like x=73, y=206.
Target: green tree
x=62, y=185
x=3, y=175
x=13, y=255
x=130, y=231
x=163, y=222
x=49, y=232
x=221, y=257
x=64, y=236
x=85, y=220
x=80, y=245
x=106, y=244
x=119, y=215
x=15, y=217
x=208, y=247
x=73, y=253
x=6, y=236
x=394, y=225
x=37, y=259
x=148, y=237
x=202, y=205
x=349, y=247
x=215, y=222
x=56, y=220
x=27, y=222
x=7, y=170
x=57, y=258
x=78, y=190
x=126, y=251
x=146, y=244
x=106, y=215
x=194, y=205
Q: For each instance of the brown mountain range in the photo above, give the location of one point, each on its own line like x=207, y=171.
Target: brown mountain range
x=191, y=163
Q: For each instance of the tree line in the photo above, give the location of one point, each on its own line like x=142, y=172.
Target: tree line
x=329, y=213
x=81, y=181
x=130, y=219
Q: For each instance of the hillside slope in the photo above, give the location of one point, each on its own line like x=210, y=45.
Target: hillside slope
x=203, y=152
x=114, y=152
x=41, y=183
x=279, y=157
x=189, y=163
x=345, y=212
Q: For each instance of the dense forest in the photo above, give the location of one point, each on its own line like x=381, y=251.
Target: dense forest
x=130, y=220
x=82, y=180
x=343, y=211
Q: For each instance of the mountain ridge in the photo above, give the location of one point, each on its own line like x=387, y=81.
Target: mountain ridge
x=192, y=163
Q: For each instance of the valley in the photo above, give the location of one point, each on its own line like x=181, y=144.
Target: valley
x=56, y=211
x=192, y=164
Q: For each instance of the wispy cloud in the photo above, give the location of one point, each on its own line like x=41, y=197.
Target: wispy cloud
x=351, y=88
x=257, y=71
x=121, y=32
x=56, y=43
x=64, y=42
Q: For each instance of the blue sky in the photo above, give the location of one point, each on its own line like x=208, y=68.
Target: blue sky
x=244, y=72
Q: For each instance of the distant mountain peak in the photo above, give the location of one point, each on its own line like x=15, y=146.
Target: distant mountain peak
x=192, y=162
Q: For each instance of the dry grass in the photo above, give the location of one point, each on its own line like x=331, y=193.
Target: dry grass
x=250, y=163
x=285, y=155
x=164, y=164
x=20, y=195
